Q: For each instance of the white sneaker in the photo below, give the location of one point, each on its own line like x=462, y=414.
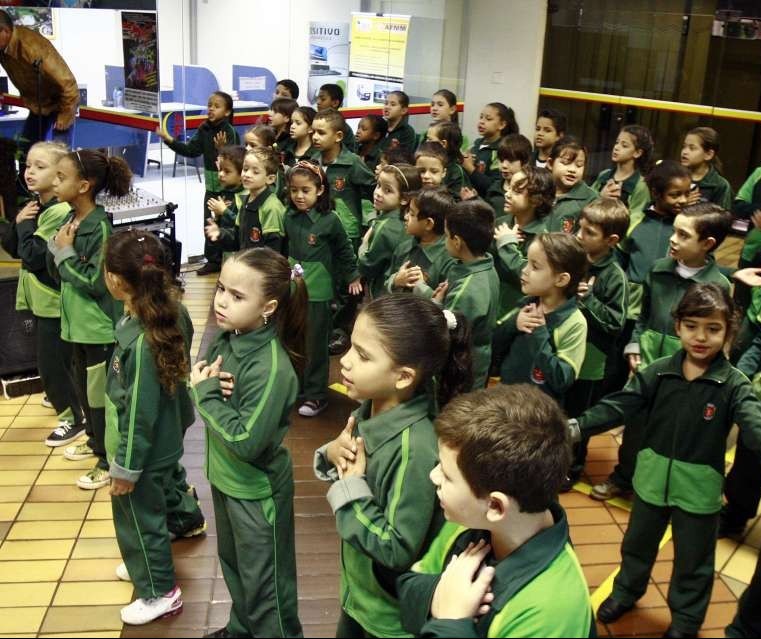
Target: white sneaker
x=96, y=478
x=77, y=452
x=122, y=572
x=142, y=611
x=46, y=402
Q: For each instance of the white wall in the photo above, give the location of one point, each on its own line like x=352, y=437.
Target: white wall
x=504, y=59
x=174, y=40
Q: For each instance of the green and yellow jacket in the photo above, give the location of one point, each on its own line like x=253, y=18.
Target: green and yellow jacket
x=245, y=456
x=375, y=256
x=433, y=259
x=539, y=589
x=144, y=424
x=258, y=222
x=634, y=192
x=684, y=439
x=202, y=143
x=37, y=290
x=654, y=335
x=564, y=216
x=487, y=164
x=714, y=188
x=388, y=518
x=350, y=181
x=747, y=202
x=88, y=312
x=401, y=137
x=454, y=179
x=319, y=243
x=550, y=357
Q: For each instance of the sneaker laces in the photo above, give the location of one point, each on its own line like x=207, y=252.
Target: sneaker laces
x=64, y=428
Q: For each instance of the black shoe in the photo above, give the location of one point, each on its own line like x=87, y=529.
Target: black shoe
x=673, y=632
x=610, y=610
x=729, y=527
x=209, y=269
x=65, y=433
x=195, y=528
x=339, y=344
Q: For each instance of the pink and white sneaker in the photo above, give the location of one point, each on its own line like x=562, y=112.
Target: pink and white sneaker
x=142, y=611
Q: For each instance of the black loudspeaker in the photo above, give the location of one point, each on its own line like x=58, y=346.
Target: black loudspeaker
x=18, y=344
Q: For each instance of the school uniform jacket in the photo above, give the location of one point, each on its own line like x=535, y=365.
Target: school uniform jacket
x=747, y=202
x=202, y=143
x=634, y=192
x=487, y=164
x=371, y=157
x=433, y=259
x=654, y=336
x=375, y=256
x=258, y=222
x=714, y=188
x=245, y=458
x=495, y=196
x=144, y=424
x=386, y=519
x=88, y=312
x=454, y=179
x=474, y=292
x=539, y=589
x=37, y=290
x=550, y=357
x=510, y=260
x=564, y=216
x=681, y=458
x=401, y=137
x=319, y=243
x=605, y=311
x=350, y=180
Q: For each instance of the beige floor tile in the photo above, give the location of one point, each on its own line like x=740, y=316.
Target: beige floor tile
x=87, y=593
x=725, y=548
x=23, y=462
x=82, y=618
x=23, y=448
x=44, y=530
x=15, y=400
x=29, y=571
x=100, y=510
x=42, y=511
x=59, y=494
x=6, y=421
x=91, y=570
x=94, y=548
x=9, y=410
x=22, y=595
x=38, y=421
x=43, y=549
x=8, y=511
x=36, y=410
x=27, y=435
x=102, y=495
x=60, y=477
x=753, y=537
x=82, y=635
x=17, y=477
x=737, y=587
x=97, y=528
x=13, y=493
x=21, y=619
x=742, y=564
x=59, y=462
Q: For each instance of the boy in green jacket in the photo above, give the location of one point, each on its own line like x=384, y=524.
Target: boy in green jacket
x=503, y=564
x=567, y=161
x=472, y=285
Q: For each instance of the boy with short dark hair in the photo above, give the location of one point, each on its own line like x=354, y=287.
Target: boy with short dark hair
x=503, y=454
x=281, y=110
x=331, y=96
x=551, y=125
x=472, y=286
x=286, y=88
x=513, y=152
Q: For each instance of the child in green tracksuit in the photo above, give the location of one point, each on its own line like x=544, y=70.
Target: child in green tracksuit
x=482, y=164
x=513, y=152
x=420, y=261
x=449, y=135
x=543, y=341
x=318, y=242
x=567, y=161
x=503, y=564
x=527, y=202
x=38, y=292
x=472, y=286
x=690, y=399
x=224, y=207
x=700, y=155
x=603, y=300
x=216, y=132
x=632, y=155
x=391, y=201
x=147, y=409
x=88, y=312
x=244, y=390
x=371, y=131
x=385, y=507
x=259, y=217
x=399, y=134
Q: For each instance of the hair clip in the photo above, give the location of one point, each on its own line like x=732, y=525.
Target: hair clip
x=149, y=259
x=297, y=271
x=451, y=319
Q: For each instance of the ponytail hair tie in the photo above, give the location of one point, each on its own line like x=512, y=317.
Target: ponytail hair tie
x=149, y=259
x=451, y=319
x=297, y=272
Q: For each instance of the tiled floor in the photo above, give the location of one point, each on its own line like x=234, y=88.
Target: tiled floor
x=58, y=553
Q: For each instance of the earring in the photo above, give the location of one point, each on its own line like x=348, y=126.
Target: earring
x=266, y=319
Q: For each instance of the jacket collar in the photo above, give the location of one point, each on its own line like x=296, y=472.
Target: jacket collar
x=127, y=330
x=535, y=226
x=257, y=202
x=377, y=430
x=718, y=371
x=313, y=214
x=710, y=179
x=650, y=213
x=580, y=191
x=606, y=261
x=556, y=317
x=479, y=264
x=247, y=343
x=705, y=274
x=92, y=221
x=344, y=158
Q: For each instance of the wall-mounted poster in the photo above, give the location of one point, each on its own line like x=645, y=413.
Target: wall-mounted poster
x=41, y=19
x=141, y=61
x=328, y=55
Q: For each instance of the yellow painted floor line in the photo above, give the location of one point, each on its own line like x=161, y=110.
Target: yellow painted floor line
x=339, y=388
